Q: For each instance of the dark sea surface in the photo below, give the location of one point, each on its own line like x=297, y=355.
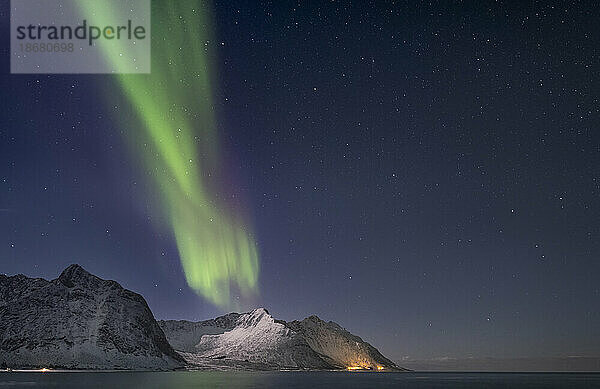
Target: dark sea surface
x=214, y=379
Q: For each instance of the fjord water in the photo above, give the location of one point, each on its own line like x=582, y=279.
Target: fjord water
x=238, y=379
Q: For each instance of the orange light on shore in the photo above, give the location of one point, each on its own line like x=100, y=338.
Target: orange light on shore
x=44, y=370
x=354, y=368
x=358, y=367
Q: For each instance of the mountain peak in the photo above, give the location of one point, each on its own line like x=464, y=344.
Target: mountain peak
x=260, y=311
x=75, y=267
x=72, y=274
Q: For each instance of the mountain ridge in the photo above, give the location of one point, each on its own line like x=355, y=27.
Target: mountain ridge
x=81, y=321
x=257, y=337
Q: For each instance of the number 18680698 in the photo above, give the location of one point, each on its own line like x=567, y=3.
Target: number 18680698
x=46, y=47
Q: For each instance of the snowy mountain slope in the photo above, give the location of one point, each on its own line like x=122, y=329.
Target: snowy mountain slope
x=257, y=338
x=78, y=321
x=185, y=335
x=251, y=340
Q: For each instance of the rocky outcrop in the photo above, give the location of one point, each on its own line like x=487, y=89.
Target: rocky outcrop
x=338, y=346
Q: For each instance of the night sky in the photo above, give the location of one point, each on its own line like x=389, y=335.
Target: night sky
x=425, y=175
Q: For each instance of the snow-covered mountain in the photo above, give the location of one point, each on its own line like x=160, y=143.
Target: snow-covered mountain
x=79, y=321
x=256, y=338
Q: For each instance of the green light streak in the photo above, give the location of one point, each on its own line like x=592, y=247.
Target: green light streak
x=176, y=141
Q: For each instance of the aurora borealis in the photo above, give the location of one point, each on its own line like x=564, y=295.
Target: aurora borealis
x=175, y=137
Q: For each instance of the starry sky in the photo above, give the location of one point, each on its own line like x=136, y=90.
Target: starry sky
x=426, y=175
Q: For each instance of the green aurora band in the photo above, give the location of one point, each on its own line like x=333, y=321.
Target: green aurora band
x=175, y=140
